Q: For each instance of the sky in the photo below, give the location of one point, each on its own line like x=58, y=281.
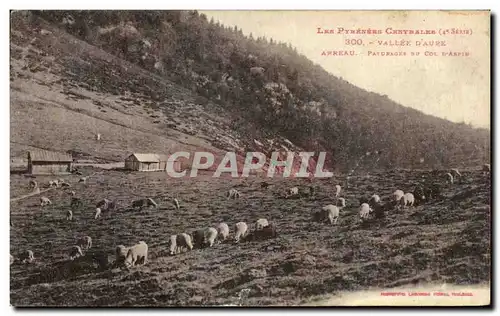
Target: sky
x=456, y=88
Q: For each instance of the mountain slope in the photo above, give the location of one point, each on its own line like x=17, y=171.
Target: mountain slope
x=291, y=97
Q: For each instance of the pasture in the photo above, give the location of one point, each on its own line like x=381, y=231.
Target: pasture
x=442, y=241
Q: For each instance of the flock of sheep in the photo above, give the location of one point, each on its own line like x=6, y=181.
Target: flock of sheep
x=137, y=254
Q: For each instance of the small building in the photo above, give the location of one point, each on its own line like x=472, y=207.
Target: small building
x=149, y=162
x=43, y=162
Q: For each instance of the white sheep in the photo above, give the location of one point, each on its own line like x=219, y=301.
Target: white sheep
x=45, y=201
x=97, y=213
x=455, y=172
x=337, y=190
x=261, y=223
x=292, y=192
x=176, y=203
x=136, y=254
x=180, y=242
x=210, y=235
x=374, y=199
x=69, y=215
x=75, y=252
x=233, y=194
x=408, y=199
x=364, y=211
x=397, y=195
x=341, y=202
x=241, y=230
x=330, y=212
x=449, y=178
x=222, y=231
x=85, y=242
x=98, y=136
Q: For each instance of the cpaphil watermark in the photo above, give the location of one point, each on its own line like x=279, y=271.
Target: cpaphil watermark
x=254, y=161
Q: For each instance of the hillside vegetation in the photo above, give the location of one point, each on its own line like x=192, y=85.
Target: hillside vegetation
x=292, y=97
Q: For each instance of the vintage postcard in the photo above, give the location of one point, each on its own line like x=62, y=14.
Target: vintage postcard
x=250, y=158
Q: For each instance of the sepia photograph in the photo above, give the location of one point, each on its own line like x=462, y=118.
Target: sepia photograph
x=250, y=158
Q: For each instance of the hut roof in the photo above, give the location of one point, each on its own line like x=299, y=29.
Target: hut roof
x=45, y=155
x=149, y=157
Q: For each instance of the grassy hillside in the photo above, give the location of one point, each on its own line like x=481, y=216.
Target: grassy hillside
x=293, y=97
x=443, y=242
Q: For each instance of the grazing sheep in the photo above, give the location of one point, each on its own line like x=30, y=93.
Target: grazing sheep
x=85, y=242
x=292, y=192
x=419, y=194
x=33, y=184
x=329, y=212
x=176, y=203
x=45, y=201
x=120, y=254
x=449, y=178
x=97, y=213
x=76, y=202
x=397, y=195
x=75, y=252
x=408, y=199
x=337, y=190
x=374, y=199
x=267, y=232
x=233, y=194
x=204, y=237
x=106, y=205
x=27, y=256
x=341, y=202
x=180, y=242
x=144, y=203
x=69, y=215
x=137, y=254
x=222, y=231
x=241, y=230
x=261, y=223
x=364, y=211
x=455, y=172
